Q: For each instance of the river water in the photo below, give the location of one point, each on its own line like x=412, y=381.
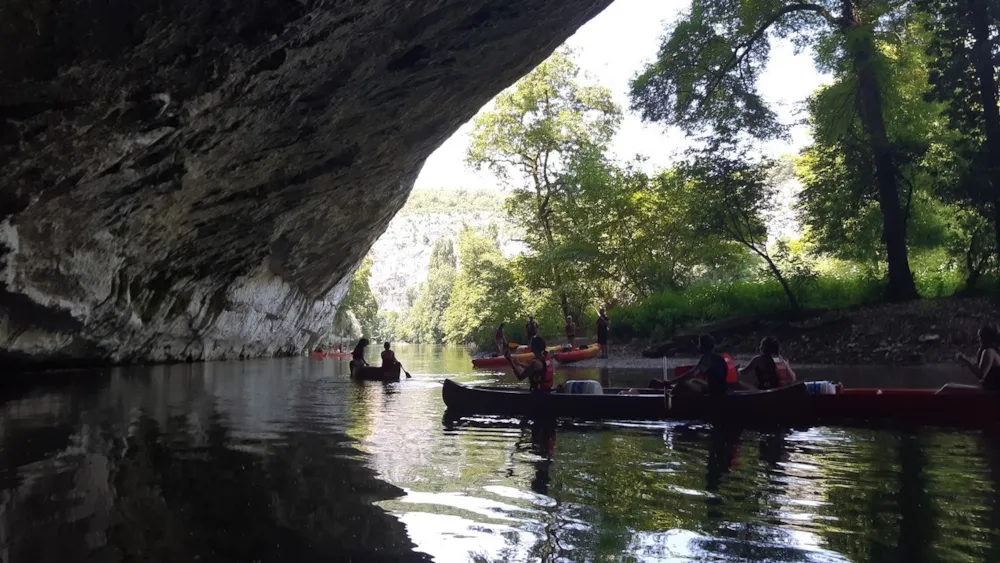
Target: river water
x=289, y=460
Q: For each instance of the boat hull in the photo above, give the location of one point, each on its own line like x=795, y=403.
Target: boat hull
x=587, y=353
x=788, y=406
x=322, y=355
x=376, y=373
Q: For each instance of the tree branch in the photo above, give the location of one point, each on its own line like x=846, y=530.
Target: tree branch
x=746, y=46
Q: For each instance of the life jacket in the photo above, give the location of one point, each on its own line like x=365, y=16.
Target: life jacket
x=784, y=375
x=388, y=358
x=546, y=381
x=732, y=375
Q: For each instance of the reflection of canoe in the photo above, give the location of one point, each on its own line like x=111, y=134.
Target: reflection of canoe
x=376, y=373
x=587, y=353
x=790, y=405
x=321, y=355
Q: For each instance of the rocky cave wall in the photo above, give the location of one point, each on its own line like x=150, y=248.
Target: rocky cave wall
x=198, y=179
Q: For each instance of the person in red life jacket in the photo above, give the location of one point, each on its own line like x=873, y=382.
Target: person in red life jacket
x=531, y=329
x=603, y=324
x=537, y=371
x=769, y=367
x=500, y=339
x=570, y=331
x=710, y=376
x=389, y=357
x=358, y=355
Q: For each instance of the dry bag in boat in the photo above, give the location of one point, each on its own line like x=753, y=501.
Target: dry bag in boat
x=583, y=387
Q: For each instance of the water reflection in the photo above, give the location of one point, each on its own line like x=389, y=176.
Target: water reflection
x=290, y=460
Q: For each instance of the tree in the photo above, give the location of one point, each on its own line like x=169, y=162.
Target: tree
x=705, y=79
x=485, y=292
x=426, y=319
x=626, y=233
x=360, y=301
x=530, y=138
x=731, y=198
x=964, y=74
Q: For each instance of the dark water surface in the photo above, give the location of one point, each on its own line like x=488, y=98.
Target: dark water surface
x=289, y=460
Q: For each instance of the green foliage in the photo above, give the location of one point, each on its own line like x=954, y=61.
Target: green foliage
x=530, y=139
x=360, y=301
x=462, y=202
x=426, y=317
x=484, y=293
x=664, y=313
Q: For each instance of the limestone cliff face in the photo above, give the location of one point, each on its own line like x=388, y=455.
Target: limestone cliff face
x=199, y=178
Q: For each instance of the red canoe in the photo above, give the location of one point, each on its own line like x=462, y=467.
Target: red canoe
x=587, y=353
x=500, y=361
x=321, y=355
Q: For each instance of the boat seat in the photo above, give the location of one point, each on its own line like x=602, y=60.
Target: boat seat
x=583, y=387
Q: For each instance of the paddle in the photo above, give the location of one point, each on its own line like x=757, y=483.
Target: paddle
x=408, y=376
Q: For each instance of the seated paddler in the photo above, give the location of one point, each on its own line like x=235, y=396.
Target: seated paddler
x=537, y=371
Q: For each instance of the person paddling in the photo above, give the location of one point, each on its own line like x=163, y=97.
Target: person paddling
x=389, y=359
x=986, y=368
x=769, y=367
x=537, y=370
x=531, y=329
x=709, y=376
x=358, y=355
x=603, y=324
x=570, y=331
x=500, y=339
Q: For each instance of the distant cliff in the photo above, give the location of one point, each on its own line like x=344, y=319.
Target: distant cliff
x=402, y=255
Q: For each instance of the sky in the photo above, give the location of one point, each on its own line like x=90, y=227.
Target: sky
x=612, y=48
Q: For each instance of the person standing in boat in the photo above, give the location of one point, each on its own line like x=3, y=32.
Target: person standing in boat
x=500, y=339
x=709, y=376
x=769, y=367
x=603, y=324
x=536, y=371
x=570, y=331
x=986, y=367
x=358, y=355
x=531, y=329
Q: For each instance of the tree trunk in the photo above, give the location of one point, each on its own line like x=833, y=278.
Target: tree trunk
x=982, y=50
x=861, y=45
x=784, y=283
x=556, y=276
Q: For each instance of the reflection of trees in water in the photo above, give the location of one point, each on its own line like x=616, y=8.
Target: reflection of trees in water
x=180, y=489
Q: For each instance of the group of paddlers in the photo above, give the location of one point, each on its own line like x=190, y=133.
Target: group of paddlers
x=770, y=370
x=713, y=375
x=358, y=356
x=531, y=331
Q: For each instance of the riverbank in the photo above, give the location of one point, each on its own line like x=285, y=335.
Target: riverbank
x=913, y=333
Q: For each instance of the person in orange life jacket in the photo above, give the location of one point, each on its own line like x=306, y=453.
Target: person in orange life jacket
x=389, y=357
x=531, y=329
x=769, y=367
x=358, y=355
x=570, y=331
x=709, y=376
x=500, y=339
x=537, y=370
